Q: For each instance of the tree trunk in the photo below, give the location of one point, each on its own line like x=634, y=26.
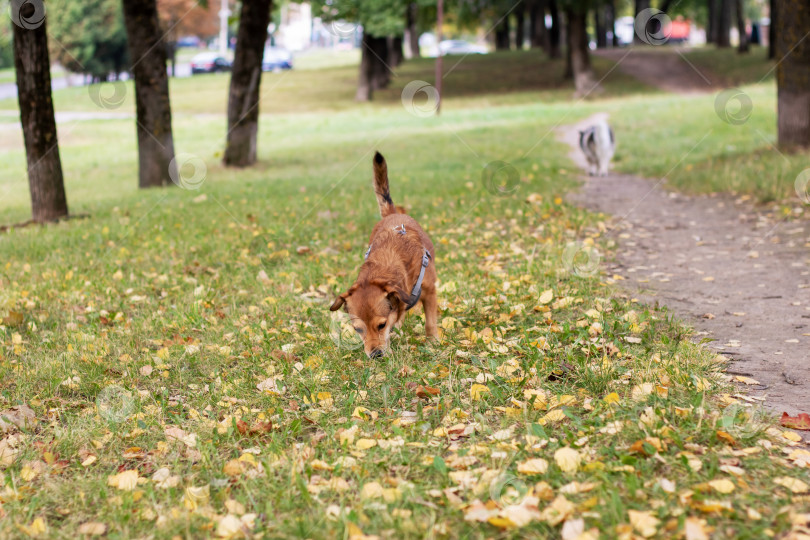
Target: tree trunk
x=538, y=35
x=152, y=106
x=793, y=74
x=743, y=46
x=711, y=26
x=554, y=31
x=599, y=13
x=580, y=60
x=666, y=5
x=640, y=5
x=772, y=35
x=33, y=67
x=246, y=78
x=502, y=35
x=366, y=72
x=395, y=54
x=610, y=22
x=412, y=30
x=724, y=24
x=381, y=71
x=520, y=26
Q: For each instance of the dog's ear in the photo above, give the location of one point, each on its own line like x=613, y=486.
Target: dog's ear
x=396, y=295
x=339, y=301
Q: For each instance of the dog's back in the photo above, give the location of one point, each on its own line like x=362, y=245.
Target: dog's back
x=598, y=144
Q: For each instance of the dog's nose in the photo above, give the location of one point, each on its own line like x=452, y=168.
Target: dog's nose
x=376, y=353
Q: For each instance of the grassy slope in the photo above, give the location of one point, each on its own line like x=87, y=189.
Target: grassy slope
x=689, y=140
x=157, y=295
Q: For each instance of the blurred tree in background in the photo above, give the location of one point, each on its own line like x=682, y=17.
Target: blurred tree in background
x=6, y=46
x=88, y=36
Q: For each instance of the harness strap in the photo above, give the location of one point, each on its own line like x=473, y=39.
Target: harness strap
x=416, y=292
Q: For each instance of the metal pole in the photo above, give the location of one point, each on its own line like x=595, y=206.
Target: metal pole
x=439, y=23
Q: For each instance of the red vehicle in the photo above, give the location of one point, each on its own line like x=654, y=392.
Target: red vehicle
x=679, y=30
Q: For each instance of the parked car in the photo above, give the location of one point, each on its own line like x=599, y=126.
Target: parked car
x=209, y=62
x=191, y=42
x=459, y=46
x=276, y=59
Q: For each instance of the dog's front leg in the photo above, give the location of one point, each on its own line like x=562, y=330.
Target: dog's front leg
x=431, y=306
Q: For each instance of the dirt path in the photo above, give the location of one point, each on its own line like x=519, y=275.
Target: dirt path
x=739, y=277
x=667, y=70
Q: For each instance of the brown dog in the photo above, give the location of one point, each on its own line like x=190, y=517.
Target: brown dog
x=399, y=271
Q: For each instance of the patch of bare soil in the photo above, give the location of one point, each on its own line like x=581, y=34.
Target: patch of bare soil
x=670, y=71
x=739, y=276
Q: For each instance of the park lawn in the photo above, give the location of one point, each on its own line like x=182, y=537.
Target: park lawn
x=700, y=150
x=727, y=67
x=186, y=377
x=7, y=75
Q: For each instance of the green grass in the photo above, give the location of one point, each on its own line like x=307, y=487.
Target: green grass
x=698, y=145
x=7, y=75
x=727, y=67
x=166, y=308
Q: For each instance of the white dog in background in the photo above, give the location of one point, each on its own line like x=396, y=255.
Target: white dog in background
x=598, y=145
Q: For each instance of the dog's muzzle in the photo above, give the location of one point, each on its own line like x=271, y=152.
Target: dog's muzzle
x=376, y=353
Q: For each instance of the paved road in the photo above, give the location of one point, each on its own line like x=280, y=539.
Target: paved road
x=9, y=90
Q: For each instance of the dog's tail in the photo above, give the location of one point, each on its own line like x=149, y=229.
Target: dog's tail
x=387, y=206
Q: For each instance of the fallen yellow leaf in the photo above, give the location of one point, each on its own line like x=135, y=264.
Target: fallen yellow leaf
x=567, y=459
x=533, y=466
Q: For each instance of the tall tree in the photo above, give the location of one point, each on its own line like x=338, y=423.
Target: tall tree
x=793, y=73
x=774, y=16
x=554, y=33
x=724, y=23
x=600, y=26
x=579, y=60
x=743, y=45
x=379, y=19
x=538, y=33
x=33, y=68
x=246, y=78
x=639, y=6
x=713, y=20
x=153, y=109
x=520, y=25
x=396, y=53
x=412, y=29
x=502, y=33
x=610, y=21
x=88, y=36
